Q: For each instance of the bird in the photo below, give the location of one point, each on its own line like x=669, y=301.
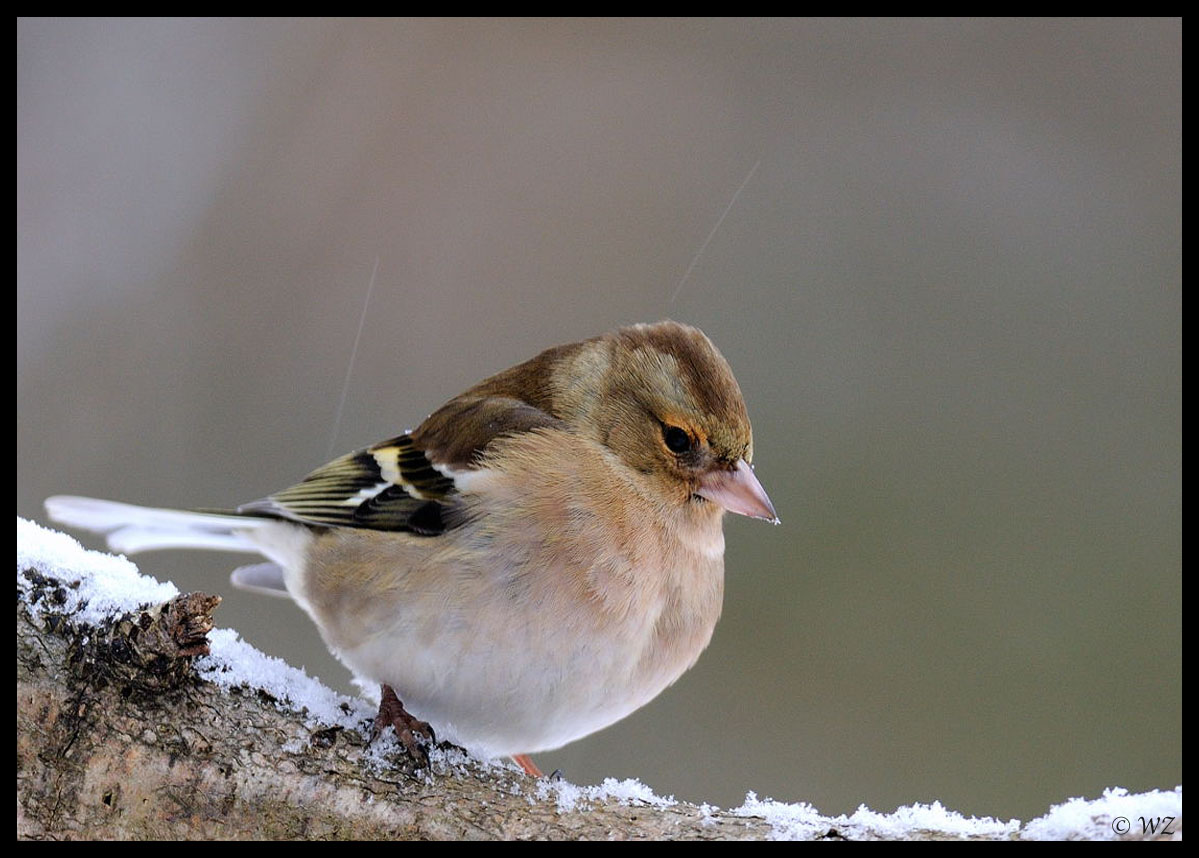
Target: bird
x=539, y=558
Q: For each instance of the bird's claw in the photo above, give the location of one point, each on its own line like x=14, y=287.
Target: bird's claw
x=392, y=713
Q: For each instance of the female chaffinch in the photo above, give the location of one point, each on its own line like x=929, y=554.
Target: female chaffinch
x=539, y=558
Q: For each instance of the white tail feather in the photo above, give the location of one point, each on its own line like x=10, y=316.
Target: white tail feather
x=131, y=529
x=265, y=578
x=134, y=539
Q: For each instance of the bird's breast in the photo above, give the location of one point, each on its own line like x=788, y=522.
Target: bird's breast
x=554, y=609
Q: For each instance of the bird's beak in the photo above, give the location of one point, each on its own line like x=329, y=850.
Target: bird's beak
x=739, y=491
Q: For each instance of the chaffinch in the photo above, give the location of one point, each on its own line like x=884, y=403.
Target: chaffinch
x=539, y=558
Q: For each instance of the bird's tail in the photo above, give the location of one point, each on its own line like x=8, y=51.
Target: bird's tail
x=130, y=529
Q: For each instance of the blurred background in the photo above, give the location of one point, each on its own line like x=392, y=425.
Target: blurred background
x=950, y=289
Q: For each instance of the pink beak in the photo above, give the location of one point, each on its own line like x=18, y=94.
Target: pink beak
x=739, y=491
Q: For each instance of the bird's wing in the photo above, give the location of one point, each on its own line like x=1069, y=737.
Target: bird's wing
x=406, y=483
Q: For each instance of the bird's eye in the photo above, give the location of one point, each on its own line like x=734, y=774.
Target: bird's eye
x=676, y=439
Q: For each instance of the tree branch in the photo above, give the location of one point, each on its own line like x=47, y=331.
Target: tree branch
x=119, y=736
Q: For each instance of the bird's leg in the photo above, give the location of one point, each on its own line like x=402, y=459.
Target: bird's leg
x=393, y=713
x=526, y=763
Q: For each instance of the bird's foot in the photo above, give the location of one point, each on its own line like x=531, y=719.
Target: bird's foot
x=526, y=763
x=392, y=713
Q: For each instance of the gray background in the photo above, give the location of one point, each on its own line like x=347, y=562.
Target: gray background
x=951, y=292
